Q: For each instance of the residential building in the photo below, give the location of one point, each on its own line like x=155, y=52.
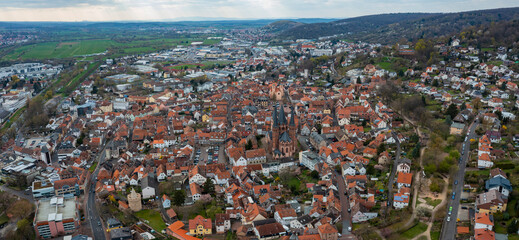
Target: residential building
x=200, y=226
x=222, y=222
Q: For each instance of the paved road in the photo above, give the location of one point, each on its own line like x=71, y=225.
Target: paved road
x=449, y=228
x=393, y=173
x=345, y=215
x=91, y=210
x=20, y=194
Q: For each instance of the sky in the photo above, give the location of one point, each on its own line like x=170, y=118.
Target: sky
x=170, y=10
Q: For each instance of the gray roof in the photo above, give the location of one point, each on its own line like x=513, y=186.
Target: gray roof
x=121, y=233
x=282, y=117
x=458, y=125
x=285, y=137
x=305, y=219
x=498, y=181
x=145, y=182
x=3, y=113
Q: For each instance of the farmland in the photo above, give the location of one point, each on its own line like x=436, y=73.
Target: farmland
x=77, y=48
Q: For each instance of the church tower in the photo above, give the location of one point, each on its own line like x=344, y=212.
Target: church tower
x=292, y=128
x=275, y=129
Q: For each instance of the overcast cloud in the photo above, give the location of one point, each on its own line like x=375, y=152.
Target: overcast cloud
x=152, y=10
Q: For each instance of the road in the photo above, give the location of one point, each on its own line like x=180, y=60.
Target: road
x=91, y=210
x=20, y=194
x=449, y=228
x=393, y=173
x=345, y=215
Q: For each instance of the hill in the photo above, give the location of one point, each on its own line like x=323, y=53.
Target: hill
x=392, y=27
x=281, y=25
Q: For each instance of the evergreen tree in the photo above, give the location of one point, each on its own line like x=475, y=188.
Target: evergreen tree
x=179, y=197
x=208, y=187
x=452, y=111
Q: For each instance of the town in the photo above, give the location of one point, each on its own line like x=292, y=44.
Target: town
x=233, y=137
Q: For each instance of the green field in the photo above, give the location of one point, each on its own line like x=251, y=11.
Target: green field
x=432, y=202
x=153, y=217
x=58, y=49
x=415, y=231
x=75, y=48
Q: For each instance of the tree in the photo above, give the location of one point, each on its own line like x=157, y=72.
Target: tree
x=452, y=111
x=208, y=187
x=436, y=185
x=513, y=227
x=212, y=210
x=416, y=151
x=448, y=120
x=20, y=209
x=48, y=94
x=167, y=188
x=179, y=197
x=248, y=146
x=314, y=174
x=381, y=148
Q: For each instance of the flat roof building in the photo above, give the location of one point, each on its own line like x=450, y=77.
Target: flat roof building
x=56, y=216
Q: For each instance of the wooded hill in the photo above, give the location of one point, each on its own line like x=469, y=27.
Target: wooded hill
x=390, y=28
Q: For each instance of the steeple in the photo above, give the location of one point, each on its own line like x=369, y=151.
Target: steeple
x=293, y=115
x=275, y=116
x=282, y=117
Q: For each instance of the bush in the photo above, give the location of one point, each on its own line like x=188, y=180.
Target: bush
x=505, y=165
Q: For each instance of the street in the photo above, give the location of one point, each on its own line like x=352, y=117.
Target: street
x=92, y=213
x=345, y=215
x=393, y=173
x=449, y=227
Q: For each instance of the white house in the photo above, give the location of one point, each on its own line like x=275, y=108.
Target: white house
x=484, y=161
x=166, y=202
x=147, y=190
x=285, y=216
x=222, y=222
x=196, y=177
x=483, y=221
x=400, y=200
x=301, y=222
x=403, y=167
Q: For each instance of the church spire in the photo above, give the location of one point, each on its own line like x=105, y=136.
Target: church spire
x=282, y=117
x=275, y=116
x=292, y=118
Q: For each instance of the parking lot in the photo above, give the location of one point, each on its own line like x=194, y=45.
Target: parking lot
x=209, y=155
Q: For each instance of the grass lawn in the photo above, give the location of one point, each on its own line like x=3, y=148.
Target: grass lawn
x=153, y=217
x=3, y=219
x=93, y=167
x=415, y=231
x=294, y=182
x=433, y=202
x=484, y=172
x=435, y=230
x=513, y=237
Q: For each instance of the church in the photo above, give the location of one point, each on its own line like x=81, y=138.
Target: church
x=282, y=138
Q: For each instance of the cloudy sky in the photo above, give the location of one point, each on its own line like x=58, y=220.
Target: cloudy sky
x=114, y=10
